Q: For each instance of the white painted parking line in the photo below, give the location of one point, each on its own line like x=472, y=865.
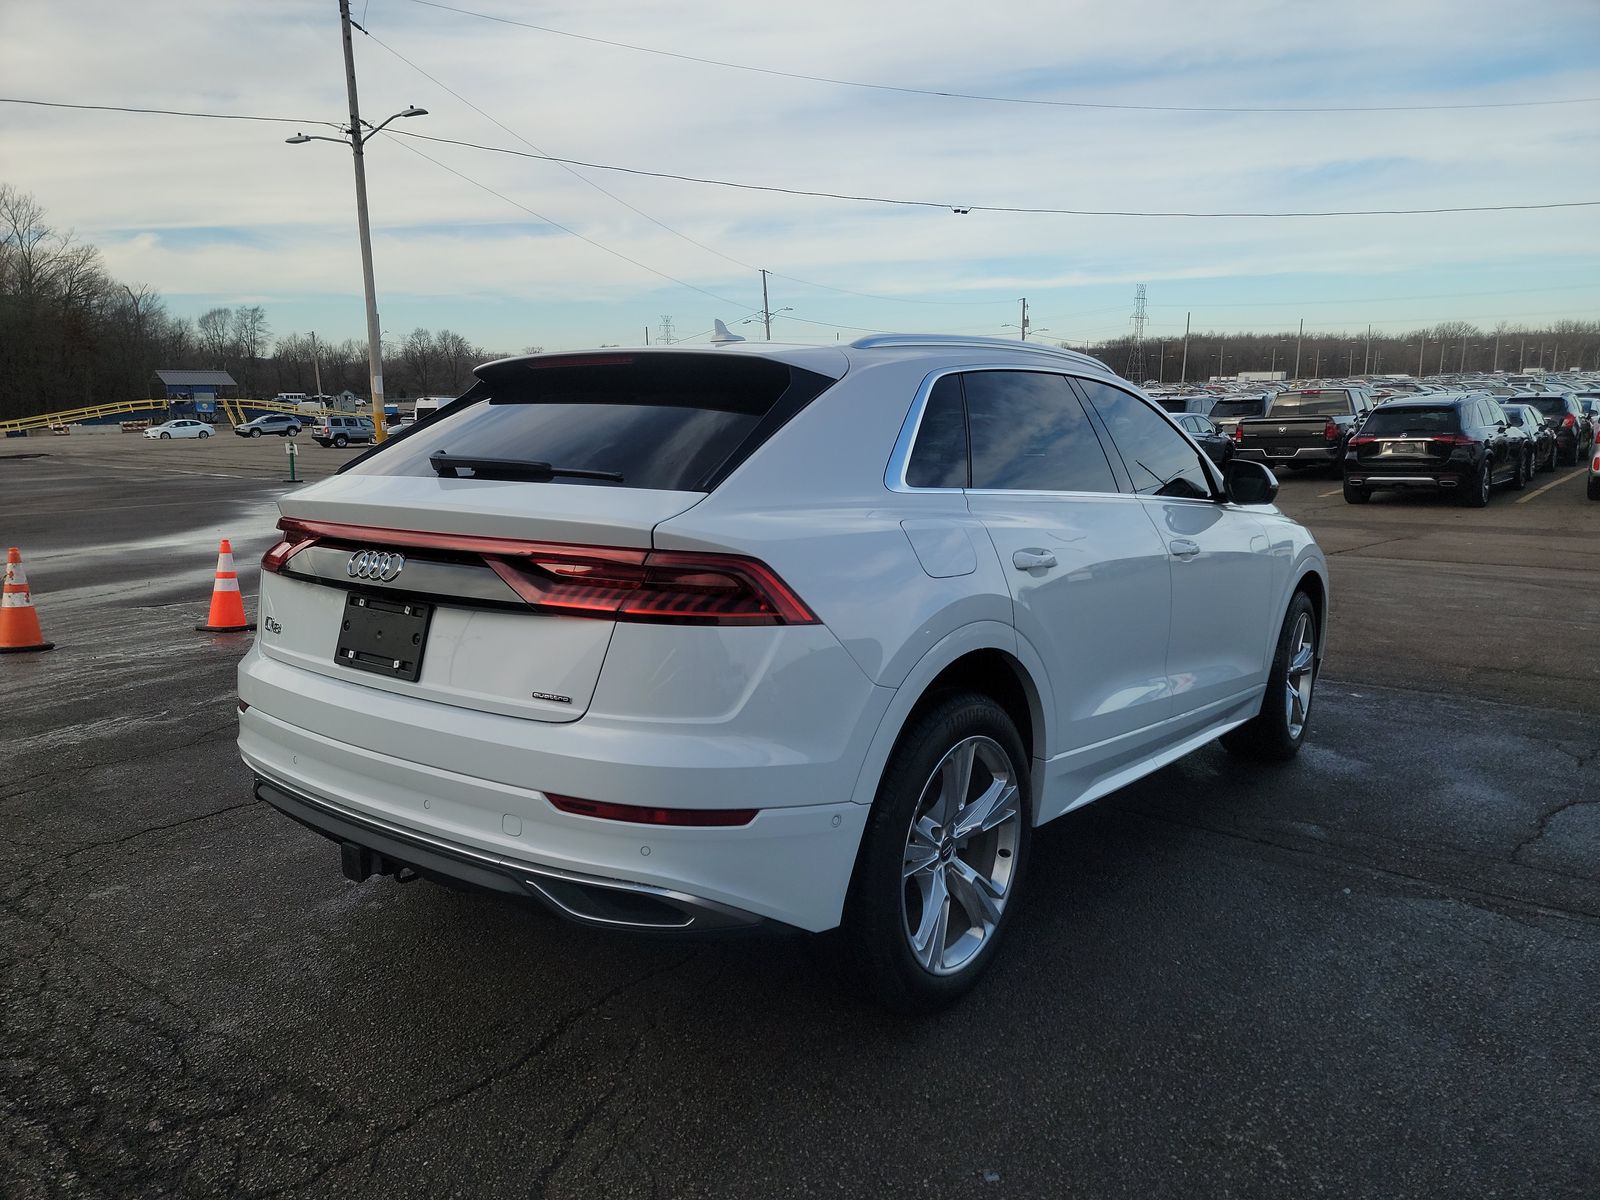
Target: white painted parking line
x=1338, y=491
x=1583, y=470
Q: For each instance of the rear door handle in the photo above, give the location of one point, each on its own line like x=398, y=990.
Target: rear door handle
x=1183, y=548
x=1029, y=560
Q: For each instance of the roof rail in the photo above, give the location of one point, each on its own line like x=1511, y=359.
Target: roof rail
x=878, y=340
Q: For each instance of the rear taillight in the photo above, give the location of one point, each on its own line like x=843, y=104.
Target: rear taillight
x=1363, y=439
x=295, y=539
x=1238, y=432
x=1330, y=431
x=639, y=815
x=1452, y=439
x=665, y=586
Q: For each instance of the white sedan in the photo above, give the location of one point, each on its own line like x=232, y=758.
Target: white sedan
x=179, y=429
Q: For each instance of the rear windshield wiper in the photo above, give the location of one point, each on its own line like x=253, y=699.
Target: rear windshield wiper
x=451, y=466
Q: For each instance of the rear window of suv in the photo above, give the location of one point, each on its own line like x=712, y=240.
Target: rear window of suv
x=667, y=421
x=1550, y=406
x=1397, y=422
x=1238, y=408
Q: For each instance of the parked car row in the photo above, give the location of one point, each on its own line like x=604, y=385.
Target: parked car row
x=1465, y=444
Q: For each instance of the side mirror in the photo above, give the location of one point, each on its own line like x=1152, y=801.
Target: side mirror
x=1249, y=482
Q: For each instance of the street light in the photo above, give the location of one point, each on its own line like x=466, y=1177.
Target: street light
x=356, y=135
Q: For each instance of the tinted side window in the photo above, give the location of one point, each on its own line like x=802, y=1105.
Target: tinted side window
x=1158, y=460
x=1029, y=433
x=939, y=459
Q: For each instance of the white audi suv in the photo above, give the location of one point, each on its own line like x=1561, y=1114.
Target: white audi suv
x=704, y=638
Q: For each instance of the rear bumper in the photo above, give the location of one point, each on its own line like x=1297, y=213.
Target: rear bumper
x=1401, y=479
x=1302, y=454
x=371, y=846
x=475, y=783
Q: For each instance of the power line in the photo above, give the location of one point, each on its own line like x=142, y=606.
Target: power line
x=1016, y=209
x=1576, y=287
x=573, y=232
x=165, y=112
x=1025, y=210
x=955, y=95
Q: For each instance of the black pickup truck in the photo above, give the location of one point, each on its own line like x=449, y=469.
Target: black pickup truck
x=1307, y=427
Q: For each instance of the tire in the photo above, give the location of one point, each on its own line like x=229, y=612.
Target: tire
x=340, y=442
x=255, y=433
x=204, y=434
x=166, y=437
x=1477, y=495
x=1356, y=495
x=1550, y=460
x=888, y=918
x=1524, y=472
x=1276, y=733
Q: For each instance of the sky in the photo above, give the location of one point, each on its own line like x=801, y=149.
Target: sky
x=224, y=212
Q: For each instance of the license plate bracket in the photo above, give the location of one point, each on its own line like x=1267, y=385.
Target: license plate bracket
x=383, y=635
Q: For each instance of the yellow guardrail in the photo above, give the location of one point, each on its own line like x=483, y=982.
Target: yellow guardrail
x=70, y=416
x=232, y=409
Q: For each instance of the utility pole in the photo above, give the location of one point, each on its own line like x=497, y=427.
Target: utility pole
x=1273, y=369
x=1366, y=363
x=316, y=367
x=374, y=333
x=1420, y=351
x=1496, y=365
x=1463, y=365
x=1522, y=355
x=1443, y=343
x=1222, y=341
x=647, y=335
x=1161, y=365
x=1183, y=375
x=1023, y=327
x=766, y=309
x=1300, y=337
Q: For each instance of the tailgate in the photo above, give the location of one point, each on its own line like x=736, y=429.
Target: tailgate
x=404, y=588
x=1283, y=436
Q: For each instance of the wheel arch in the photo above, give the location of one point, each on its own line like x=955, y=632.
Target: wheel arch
x=984, y=656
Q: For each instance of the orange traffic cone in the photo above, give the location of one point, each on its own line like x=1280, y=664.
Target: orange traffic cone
x=227, y=604
x=19, y=623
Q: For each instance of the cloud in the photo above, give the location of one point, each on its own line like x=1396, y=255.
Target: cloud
x=225, y=208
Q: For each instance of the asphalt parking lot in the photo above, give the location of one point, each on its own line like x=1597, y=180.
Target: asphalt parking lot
x=1370, y=973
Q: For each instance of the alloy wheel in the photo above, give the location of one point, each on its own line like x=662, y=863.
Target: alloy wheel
x=960, y=855
x=1301, y=675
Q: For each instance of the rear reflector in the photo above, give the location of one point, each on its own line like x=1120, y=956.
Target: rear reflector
x=638, y=815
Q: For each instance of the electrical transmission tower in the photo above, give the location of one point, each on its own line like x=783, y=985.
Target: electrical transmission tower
x=1136, y=364
x=664, y=335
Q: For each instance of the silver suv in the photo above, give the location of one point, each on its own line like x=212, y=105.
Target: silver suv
x=336, y=429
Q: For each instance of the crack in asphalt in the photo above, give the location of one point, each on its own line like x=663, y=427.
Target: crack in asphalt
x=375, y=1145
x=139, y=833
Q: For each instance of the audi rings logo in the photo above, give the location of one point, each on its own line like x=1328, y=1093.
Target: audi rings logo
x=378, y=565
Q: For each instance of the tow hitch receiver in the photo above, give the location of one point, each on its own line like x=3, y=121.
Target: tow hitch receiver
x=359, y=864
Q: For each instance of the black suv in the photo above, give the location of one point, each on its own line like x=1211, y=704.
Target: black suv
x=1573, y=429
x=1462, y=444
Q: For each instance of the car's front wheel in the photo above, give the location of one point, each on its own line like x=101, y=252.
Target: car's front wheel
x=341, y=441
x=943, y=855
x=1276, y=732
x=255, y=433
x=166, y=437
